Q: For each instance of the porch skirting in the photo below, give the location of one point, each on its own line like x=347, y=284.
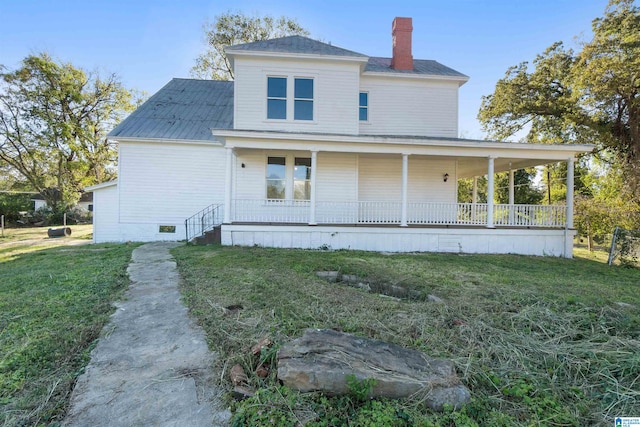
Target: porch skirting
x=542, y=242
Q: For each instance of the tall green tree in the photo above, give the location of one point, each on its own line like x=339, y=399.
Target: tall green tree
x=589, y=96
x=610, y=204
x=53, y=121
x=524, y=191
x=234, y=28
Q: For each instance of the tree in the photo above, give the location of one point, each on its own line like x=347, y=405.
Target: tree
x=233, y=28
x=524, y=191
x=53, y=122
x=610, y=204
x=592, y=96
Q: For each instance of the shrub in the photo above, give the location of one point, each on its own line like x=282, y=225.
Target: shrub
x=12, y=204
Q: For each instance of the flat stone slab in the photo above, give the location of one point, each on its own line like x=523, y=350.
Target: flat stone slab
x=322, y=359
x=151, y=366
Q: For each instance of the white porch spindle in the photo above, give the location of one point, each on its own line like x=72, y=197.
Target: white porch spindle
x=228, y=186
x=405, y=179
x=570, y=168
x=312, y=198
x=490, y=170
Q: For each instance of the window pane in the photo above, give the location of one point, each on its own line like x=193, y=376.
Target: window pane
x=275, y=189
x=364, y=99
x=302, y=168
x=363, y=114
x=302, y=190
x=276, y=168
x=276, y=109
x=303, y=110
x=303, y=88
x=277, y=87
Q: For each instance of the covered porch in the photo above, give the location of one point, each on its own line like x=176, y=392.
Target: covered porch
x=389, y=189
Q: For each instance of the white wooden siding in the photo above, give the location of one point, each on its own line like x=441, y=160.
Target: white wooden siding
x=335, y=94
x=410, y=107
x=163, y=184
x=426, y=181
x=337, y=177
x=250, y=181
x=105, y=216
x=380, y=179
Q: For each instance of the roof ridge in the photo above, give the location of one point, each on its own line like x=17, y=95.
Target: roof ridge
x=294, y=44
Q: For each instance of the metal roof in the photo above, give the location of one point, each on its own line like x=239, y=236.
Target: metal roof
x=420, y=66
x=294, y=44
x=183, y=109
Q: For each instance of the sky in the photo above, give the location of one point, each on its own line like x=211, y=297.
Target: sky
x=148, y=42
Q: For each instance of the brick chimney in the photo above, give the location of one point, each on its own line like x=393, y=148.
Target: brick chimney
x=401, y=32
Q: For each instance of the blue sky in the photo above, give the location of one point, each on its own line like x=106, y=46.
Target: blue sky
x=146, y=43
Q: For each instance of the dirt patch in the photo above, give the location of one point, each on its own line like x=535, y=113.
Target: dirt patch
x=377, y=287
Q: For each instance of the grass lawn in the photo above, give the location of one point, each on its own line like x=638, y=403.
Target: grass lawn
x=538, y=341
x=54, y=300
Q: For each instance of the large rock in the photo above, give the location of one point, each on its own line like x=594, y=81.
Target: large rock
x=321, y=359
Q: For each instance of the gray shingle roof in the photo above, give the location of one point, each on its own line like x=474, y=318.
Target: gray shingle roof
x=183, y=109
x=420, y=66
x=294, y=44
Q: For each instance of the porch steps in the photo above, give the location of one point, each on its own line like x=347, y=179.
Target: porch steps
x=211, y=237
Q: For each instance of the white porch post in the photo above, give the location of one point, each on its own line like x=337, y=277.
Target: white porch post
x=511, y=185
x=511, y=196
x=228, y=186
x=490, y=168
x=570, y=168
x=405, y=179
x=312, y=198
x=474, y=194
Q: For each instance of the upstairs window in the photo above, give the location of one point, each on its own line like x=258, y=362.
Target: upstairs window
x=277, y=98
x=303, y=99
x=276, y=177
x=364, y=107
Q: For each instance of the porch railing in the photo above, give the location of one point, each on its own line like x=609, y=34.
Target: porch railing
x=205, y=220
x=383, y=213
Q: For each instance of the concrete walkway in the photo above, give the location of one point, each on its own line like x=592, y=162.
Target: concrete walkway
x=151, y=366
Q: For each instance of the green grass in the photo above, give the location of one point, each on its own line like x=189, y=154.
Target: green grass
x=539, y=341
x=53, y=304
x=83, y=231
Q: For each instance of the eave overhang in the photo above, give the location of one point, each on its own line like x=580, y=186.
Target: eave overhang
x=471, y=154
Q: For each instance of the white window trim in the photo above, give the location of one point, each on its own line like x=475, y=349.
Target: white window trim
x=286, y=99
x=291, y=97
x=368, y=121
x=289, y=164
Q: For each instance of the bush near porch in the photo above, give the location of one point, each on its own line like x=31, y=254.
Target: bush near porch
x=539, y=341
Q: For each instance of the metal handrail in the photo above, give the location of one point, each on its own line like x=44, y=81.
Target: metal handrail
x=203, y=221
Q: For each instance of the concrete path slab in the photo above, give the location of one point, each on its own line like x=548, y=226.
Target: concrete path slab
x=151, y=366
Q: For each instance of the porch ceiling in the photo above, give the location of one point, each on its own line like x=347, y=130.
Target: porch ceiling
x=468, y=167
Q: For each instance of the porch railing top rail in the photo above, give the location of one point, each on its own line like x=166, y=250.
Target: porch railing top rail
x=389, y=212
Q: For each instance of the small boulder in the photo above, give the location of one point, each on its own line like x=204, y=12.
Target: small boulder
x=434, y=298
x=329, y=276
x=237, y=375
x=263, y=343
x=322, y=359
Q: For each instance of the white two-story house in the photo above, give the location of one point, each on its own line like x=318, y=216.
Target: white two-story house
x=317, y=146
